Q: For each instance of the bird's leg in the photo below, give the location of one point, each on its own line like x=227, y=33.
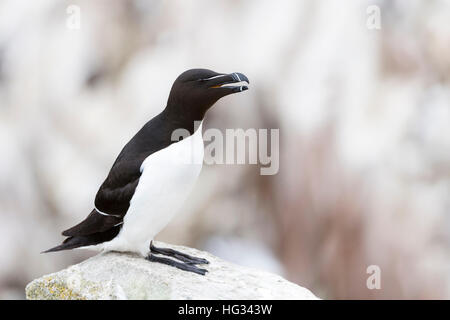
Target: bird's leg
x=176, y=264
x=178, y=255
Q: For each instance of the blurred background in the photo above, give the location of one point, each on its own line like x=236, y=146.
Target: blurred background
x=364, y=123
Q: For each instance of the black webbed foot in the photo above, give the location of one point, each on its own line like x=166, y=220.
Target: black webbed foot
x=178, y=255
x=180, y=265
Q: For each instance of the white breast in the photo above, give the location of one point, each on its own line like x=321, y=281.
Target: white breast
x=167, y=179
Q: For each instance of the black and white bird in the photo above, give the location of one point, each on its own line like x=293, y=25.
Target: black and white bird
x=148, y=183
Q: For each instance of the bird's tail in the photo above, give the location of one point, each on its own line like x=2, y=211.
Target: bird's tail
x=69, y=243
x=86, y=240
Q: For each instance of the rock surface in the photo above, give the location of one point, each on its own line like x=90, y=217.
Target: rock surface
x=114, y=275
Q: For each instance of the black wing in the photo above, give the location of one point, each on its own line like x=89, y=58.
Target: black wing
x=114, y=195
x=113, y=198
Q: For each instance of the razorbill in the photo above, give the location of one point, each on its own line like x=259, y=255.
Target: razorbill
x=148, y=183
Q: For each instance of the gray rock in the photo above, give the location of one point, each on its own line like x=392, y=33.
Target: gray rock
x=113, y=275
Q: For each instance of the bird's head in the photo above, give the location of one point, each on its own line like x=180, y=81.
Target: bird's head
x=196, y=90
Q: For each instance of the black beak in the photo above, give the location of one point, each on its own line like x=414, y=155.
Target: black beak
x=222, y=82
